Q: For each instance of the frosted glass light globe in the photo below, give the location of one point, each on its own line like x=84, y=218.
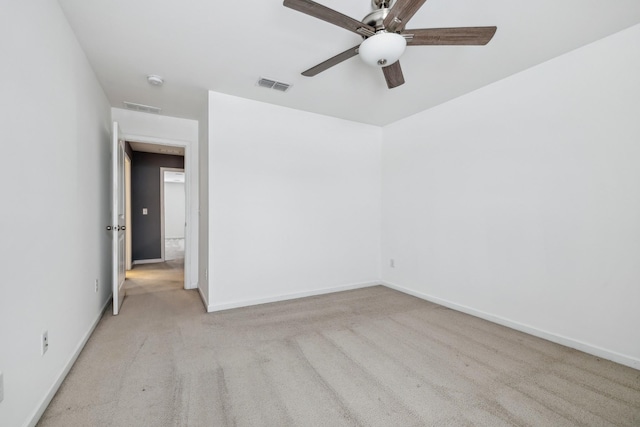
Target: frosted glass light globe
x=383, y=49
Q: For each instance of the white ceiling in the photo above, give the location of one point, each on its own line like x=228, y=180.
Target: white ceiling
x=200, y=45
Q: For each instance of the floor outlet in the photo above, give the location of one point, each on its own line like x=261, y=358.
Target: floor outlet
x=45, y=342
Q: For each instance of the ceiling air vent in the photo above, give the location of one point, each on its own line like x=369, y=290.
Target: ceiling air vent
x=272, y=84
x=142, y=108
x=282, y=87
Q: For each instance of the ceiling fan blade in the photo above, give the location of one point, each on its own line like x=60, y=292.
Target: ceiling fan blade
x=450, y=36
x=333, y=17
x=400, y=14
x=349, y=53
x=393, y=75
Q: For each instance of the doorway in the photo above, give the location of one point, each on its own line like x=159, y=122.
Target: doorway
x=127, y=210
x=172, y=201
x=148, y=211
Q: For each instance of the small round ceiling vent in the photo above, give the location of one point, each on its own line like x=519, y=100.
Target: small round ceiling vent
x=155, y=80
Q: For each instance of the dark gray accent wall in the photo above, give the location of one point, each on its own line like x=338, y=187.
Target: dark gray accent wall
x=146, y=238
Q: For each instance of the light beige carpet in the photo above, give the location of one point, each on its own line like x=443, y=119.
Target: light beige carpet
x=369, y=357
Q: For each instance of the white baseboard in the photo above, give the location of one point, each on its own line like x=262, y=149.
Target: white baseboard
x=550, y=336
x=245, y=303
x=147, y=261
x=54, y=388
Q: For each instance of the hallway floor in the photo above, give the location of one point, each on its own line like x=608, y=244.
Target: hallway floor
x=162, y=276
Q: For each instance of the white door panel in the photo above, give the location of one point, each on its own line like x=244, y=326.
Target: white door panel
x=118, y=220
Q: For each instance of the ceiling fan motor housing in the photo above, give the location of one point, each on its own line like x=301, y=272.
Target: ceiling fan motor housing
x=382, y=4
x=383, y=48
x=376, y=18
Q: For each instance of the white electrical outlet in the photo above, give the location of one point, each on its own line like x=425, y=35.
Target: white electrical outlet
x=1, y=388
x=45, y=342
x=96, y=285
x=392, y=263
x=206, y=274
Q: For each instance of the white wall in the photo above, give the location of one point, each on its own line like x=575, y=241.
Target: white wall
x=174, y=210
x=520, y=202
x=153, y=128
x=294, y=202
x=55, y=122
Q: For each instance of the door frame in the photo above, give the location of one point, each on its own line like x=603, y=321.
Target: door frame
x=127, y=203
x=162, y=223
x=191, y=201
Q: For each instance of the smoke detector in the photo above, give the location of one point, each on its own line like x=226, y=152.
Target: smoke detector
x=155, y=80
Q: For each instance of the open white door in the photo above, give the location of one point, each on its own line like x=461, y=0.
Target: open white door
x=118, y=220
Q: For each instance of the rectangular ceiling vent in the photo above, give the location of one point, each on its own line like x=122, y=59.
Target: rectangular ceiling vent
x=272, y=84
x=142, y=108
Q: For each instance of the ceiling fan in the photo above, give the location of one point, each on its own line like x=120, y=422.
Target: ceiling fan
x=385, y=36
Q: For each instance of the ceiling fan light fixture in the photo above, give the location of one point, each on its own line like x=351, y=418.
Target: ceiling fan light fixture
x=383, y=49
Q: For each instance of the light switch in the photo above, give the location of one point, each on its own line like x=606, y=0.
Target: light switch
x=144, y=211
